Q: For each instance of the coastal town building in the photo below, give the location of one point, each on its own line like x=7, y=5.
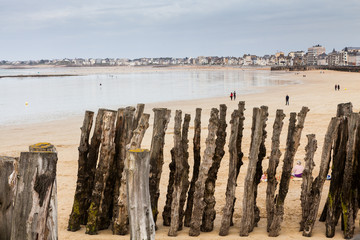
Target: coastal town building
x=313, y=53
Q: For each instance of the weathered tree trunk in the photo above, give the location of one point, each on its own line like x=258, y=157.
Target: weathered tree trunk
x=177, y=186
x=333, y=206
x=166, y=214
x=8, y=180
x=199, y=205
x=197, y=159
x=262, y=154
x=273, y=164
x=138, y=114
x=231, y=184
x=137, y=166
x=78, y=212
x=317, y=185
x=36, y=176
x=292, y=144
x=344, y=109
x=107, y=151
x=157, y=156
x=120, y=211
x=307, y=177
x=209, y=199
x=248, y=218
x=349, y=194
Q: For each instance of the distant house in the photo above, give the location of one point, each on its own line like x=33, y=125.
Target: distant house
x=313, y=53
x=322, y=60
x=333, y=58
x=354, y=59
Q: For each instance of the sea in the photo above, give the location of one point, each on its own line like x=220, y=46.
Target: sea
x=37, y=99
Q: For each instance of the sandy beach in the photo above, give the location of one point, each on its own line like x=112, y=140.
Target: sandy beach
x=316, y=92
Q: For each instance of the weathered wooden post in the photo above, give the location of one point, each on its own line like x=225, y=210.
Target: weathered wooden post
x=231, y=184
x=107, y=152
x=273, y=164
x=161, y=120
x=292, y=144
x=248, y=217
x=36, y=177
x=197, y=158
x=120, y=212
x=138, y=114
x=141, y=224
x=198, y=207
x=78, y=212
x=209, y=199
x=166, y=214
x=344, y=109
x=307, y=177
x=8, y=180
x=317, y=186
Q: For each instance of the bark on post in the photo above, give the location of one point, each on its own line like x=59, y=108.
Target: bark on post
x=107, y=152
x=307, y=177
x=198, y=207
x=248, y=218
x=344, y=109
x=273, y=164
x=195, y=174
x=157, y=156
x=8, y=180
x=333, y=206
x=231, y=184
x=349, y=194
x=120, y=211
x=78, y=212
x=209, y=199
x=142, y=225
x=36, y=176
x=316, y=188
x=138, y=114
x=292, y=144
x=166, y=214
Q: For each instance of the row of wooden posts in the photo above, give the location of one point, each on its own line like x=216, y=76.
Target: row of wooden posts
x=102, y=193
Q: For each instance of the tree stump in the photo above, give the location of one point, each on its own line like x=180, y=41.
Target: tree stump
x=161, y=120
x=231, y=184
x=248, y=218
x=317, y=185
x=199, y=205
x=98, y=206
x=8, y=180
x=120, y=212
x=307, y=177
x=137, y=166
x=36, y=176
x=292, y=144
x=209, y=199
x=78, y=212
x=273, y=164
x=197, y=159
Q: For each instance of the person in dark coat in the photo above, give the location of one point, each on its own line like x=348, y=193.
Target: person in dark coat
x=287, y=100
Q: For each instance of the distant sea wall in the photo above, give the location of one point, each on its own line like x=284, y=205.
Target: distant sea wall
x=309, y=68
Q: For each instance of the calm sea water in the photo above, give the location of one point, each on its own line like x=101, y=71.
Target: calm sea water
x=52, y=98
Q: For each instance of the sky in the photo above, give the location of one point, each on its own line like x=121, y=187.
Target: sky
x=53, y=29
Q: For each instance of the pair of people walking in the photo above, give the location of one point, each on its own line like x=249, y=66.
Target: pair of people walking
x=233, y=95
x=337, y=87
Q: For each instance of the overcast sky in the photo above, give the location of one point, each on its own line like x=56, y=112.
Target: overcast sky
x=49, y=29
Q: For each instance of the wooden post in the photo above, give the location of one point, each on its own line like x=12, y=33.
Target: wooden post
x=36, y=176
x=107, y=152
x=292, y=144
x=161, y=120
x=197, y=158
x=166, y=214
x=78, y=212
x=316, y=188
x=209, y=199
x=142, y=225
x=307, y=177
x=349, y=198
x=120, y=212
x=138, y=114
x=8, y=180
x=248, y=218
x=231, y=184
x=273, y=164
x=344, y=109
x=209, y=152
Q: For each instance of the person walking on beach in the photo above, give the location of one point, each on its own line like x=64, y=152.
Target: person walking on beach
x=336, y=87
x=287, y=100
x=231, y=96
x=234, y=95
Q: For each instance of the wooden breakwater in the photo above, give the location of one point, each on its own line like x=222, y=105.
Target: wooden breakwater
x=310, y=68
